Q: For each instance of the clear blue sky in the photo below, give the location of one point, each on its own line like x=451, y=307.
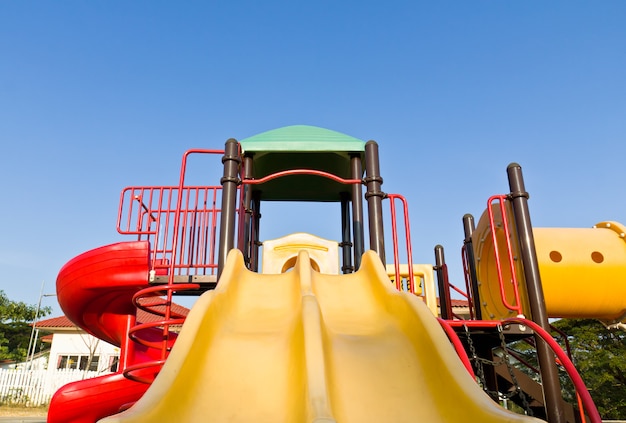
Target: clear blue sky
x=99, y=95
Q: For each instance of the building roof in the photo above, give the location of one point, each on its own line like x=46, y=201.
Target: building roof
x=457, y=303
x=63, y=322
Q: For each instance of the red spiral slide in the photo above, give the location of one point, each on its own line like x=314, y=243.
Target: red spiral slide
x=95, y=290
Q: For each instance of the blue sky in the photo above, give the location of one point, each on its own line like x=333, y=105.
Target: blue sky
x=99, y=95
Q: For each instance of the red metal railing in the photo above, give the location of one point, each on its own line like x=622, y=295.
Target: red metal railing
x=407, y=236
x=466, y=275
x=457, y=344
x=509, y=253
x=182, y=240
x=180, y=223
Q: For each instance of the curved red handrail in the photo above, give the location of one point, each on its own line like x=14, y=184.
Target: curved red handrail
x=407, y=234
x=505, y=227
x=132, y=372
x=458, y=345
x=166, y=341
x=301, y=172
x=566, y=362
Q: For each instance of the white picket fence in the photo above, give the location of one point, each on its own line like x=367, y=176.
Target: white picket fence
x=36, y=387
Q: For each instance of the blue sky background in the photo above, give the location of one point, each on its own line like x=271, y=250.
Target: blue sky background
x=99, y=95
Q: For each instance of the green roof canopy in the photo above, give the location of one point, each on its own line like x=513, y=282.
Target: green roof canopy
x=302, y=147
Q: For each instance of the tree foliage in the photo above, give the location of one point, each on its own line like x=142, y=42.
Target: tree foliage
x=15, y=328
x=600, y=357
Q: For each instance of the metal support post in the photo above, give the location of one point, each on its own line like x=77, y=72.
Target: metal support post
x=229, y=182
x=469, y=227
x=445, y=306
x=247, y=205
x=346, y=242
x=374, y=196
x=546, y=358
x=357, y=211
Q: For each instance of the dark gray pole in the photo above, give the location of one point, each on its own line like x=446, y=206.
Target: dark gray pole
x=445, y=307
x=247, y=205
x=346, y=242
x=547, y=363
x=357, y=211
x=469, y=227
x=229, y=182
x=256, y=221
x=374, y=197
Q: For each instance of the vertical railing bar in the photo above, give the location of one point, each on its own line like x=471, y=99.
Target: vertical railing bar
x=466, y=276
x=152, y=243
x=407, y=235
x=509, y=249
x=241, y=218
x=144, y=210
x=394, y=236
x=197, y=221
x=166, y=234
x=188, y=222
x=213, y=230
x=133, y=198
x=409, y=249
x=131, y=207
x=163, y=221
x=206, y=228
x=120, y=211
x=202, y=242
x=160, y=236
x=198, y=231
x=132, y=210
x=181, y=223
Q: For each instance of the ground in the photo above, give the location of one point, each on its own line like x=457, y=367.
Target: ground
x=16, y=411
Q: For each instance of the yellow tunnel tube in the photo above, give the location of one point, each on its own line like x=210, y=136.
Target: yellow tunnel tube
x=309, y=347
x=582, y=270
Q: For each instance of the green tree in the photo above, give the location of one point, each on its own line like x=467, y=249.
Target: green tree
x=15, y=328
x=600, y=357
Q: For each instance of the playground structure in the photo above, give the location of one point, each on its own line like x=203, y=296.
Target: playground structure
x=308, y=329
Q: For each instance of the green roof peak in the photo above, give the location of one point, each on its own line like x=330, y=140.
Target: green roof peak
x=302, y=138
x=302, y=147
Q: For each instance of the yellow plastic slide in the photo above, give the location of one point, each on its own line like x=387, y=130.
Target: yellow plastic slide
x=308, y=347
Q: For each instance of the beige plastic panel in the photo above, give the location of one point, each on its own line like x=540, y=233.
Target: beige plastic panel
x=279, y=255
x=424, y=281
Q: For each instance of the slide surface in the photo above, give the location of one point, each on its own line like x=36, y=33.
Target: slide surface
x=309, y=347
x=95, y=288
x=86, y=401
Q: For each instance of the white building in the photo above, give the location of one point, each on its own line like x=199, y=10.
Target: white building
x=73, y=348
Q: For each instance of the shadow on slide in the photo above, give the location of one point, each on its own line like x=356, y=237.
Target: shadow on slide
x=309, y=347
